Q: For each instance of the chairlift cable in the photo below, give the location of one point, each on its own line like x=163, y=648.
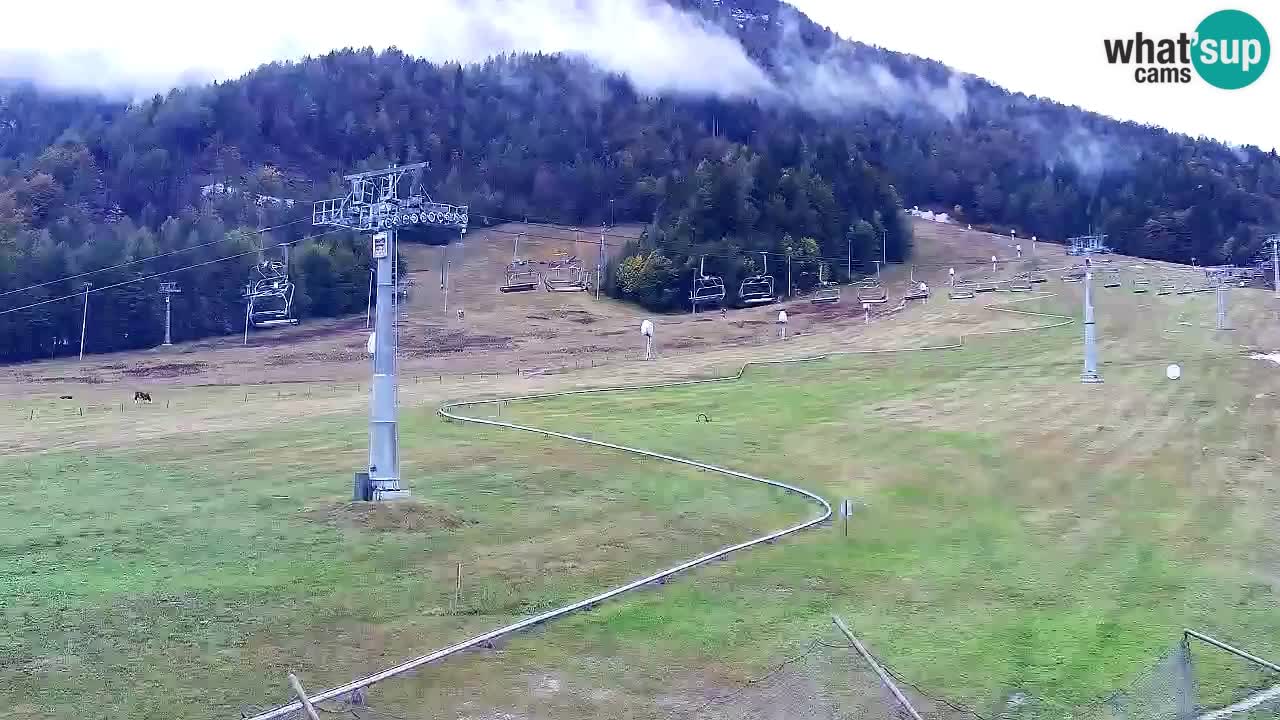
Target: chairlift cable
x=162, y=273
x=145, y=259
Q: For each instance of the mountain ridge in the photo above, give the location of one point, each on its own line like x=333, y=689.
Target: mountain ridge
x=819, y=164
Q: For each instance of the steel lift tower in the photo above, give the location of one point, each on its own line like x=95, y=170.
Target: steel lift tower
x=1087, y=245
x=379, y=203
x=168, y=290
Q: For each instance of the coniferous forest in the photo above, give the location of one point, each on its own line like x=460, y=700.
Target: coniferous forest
x=195, y=175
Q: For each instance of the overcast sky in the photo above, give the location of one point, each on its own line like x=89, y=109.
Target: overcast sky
x=1049, y=49
x=1054, y=49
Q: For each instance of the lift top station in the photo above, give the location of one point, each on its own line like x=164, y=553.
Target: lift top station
x=379, y=203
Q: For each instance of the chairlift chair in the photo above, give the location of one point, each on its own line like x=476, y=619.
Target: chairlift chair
x=1073, y=275
x=1167, y=286
x=1112, y=279
x=707, y=289
x=827, y=292
x=520, y=278
x=757, y=289
x=985, y=286
x=565, y=275
x=270, y=297
x=874, y=295
x=1020, y=284
x=914, y=292
x=1141, y=284
x=1037, y=277
x=960, y=293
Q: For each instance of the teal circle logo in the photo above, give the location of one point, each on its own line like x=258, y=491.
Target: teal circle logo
x=1232, y=49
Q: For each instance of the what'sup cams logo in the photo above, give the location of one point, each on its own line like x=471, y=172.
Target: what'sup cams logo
x=1229, y=50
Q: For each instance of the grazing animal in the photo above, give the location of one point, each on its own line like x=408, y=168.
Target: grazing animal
x=141, y=397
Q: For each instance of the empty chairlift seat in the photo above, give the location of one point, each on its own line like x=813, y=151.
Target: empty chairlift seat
x=270, y=297
x=565, y=276
x=825, y=294
x=1141, y=284
x=757, y=289
x=707, y=290
x=520, y=278
x=874, y=295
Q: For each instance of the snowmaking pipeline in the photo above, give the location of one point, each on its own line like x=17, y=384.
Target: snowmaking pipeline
x=447, y=411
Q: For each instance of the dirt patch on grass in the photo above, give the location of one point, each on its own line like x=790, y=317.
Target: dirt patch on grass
x=401, y=516
x=86, y=379
x=454, y=341
x=165, y=370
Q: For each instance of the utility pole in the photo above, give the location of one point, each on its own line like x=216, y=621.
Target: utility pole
x=1274, y=241
x=788, y=273
x=1220, y=296
x=168, y=289
x=848, y=258
x=445, y=264
x=248, y=303
x=378, y=204
x=84, y=319
x=612, y=218
x=368, y=304
x=600, y=260
x=884, y=247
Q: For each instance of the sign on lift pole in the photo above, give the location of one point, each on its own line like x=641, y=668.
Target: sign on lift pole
x=168, y=289
x=379, y=203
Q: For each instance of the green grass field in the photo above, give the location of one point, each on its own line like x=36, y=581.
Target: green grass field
x=1017, y=532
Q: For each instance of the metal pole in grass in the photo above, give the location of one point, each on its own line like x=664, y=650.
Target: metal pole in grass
x=302, y=696
x=884, y=676
x=1090, y=374
x=84, y=319
x=457, y=591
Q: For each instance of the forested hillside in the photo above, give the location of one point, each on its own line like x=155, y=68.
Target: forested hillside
x=820, y=162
